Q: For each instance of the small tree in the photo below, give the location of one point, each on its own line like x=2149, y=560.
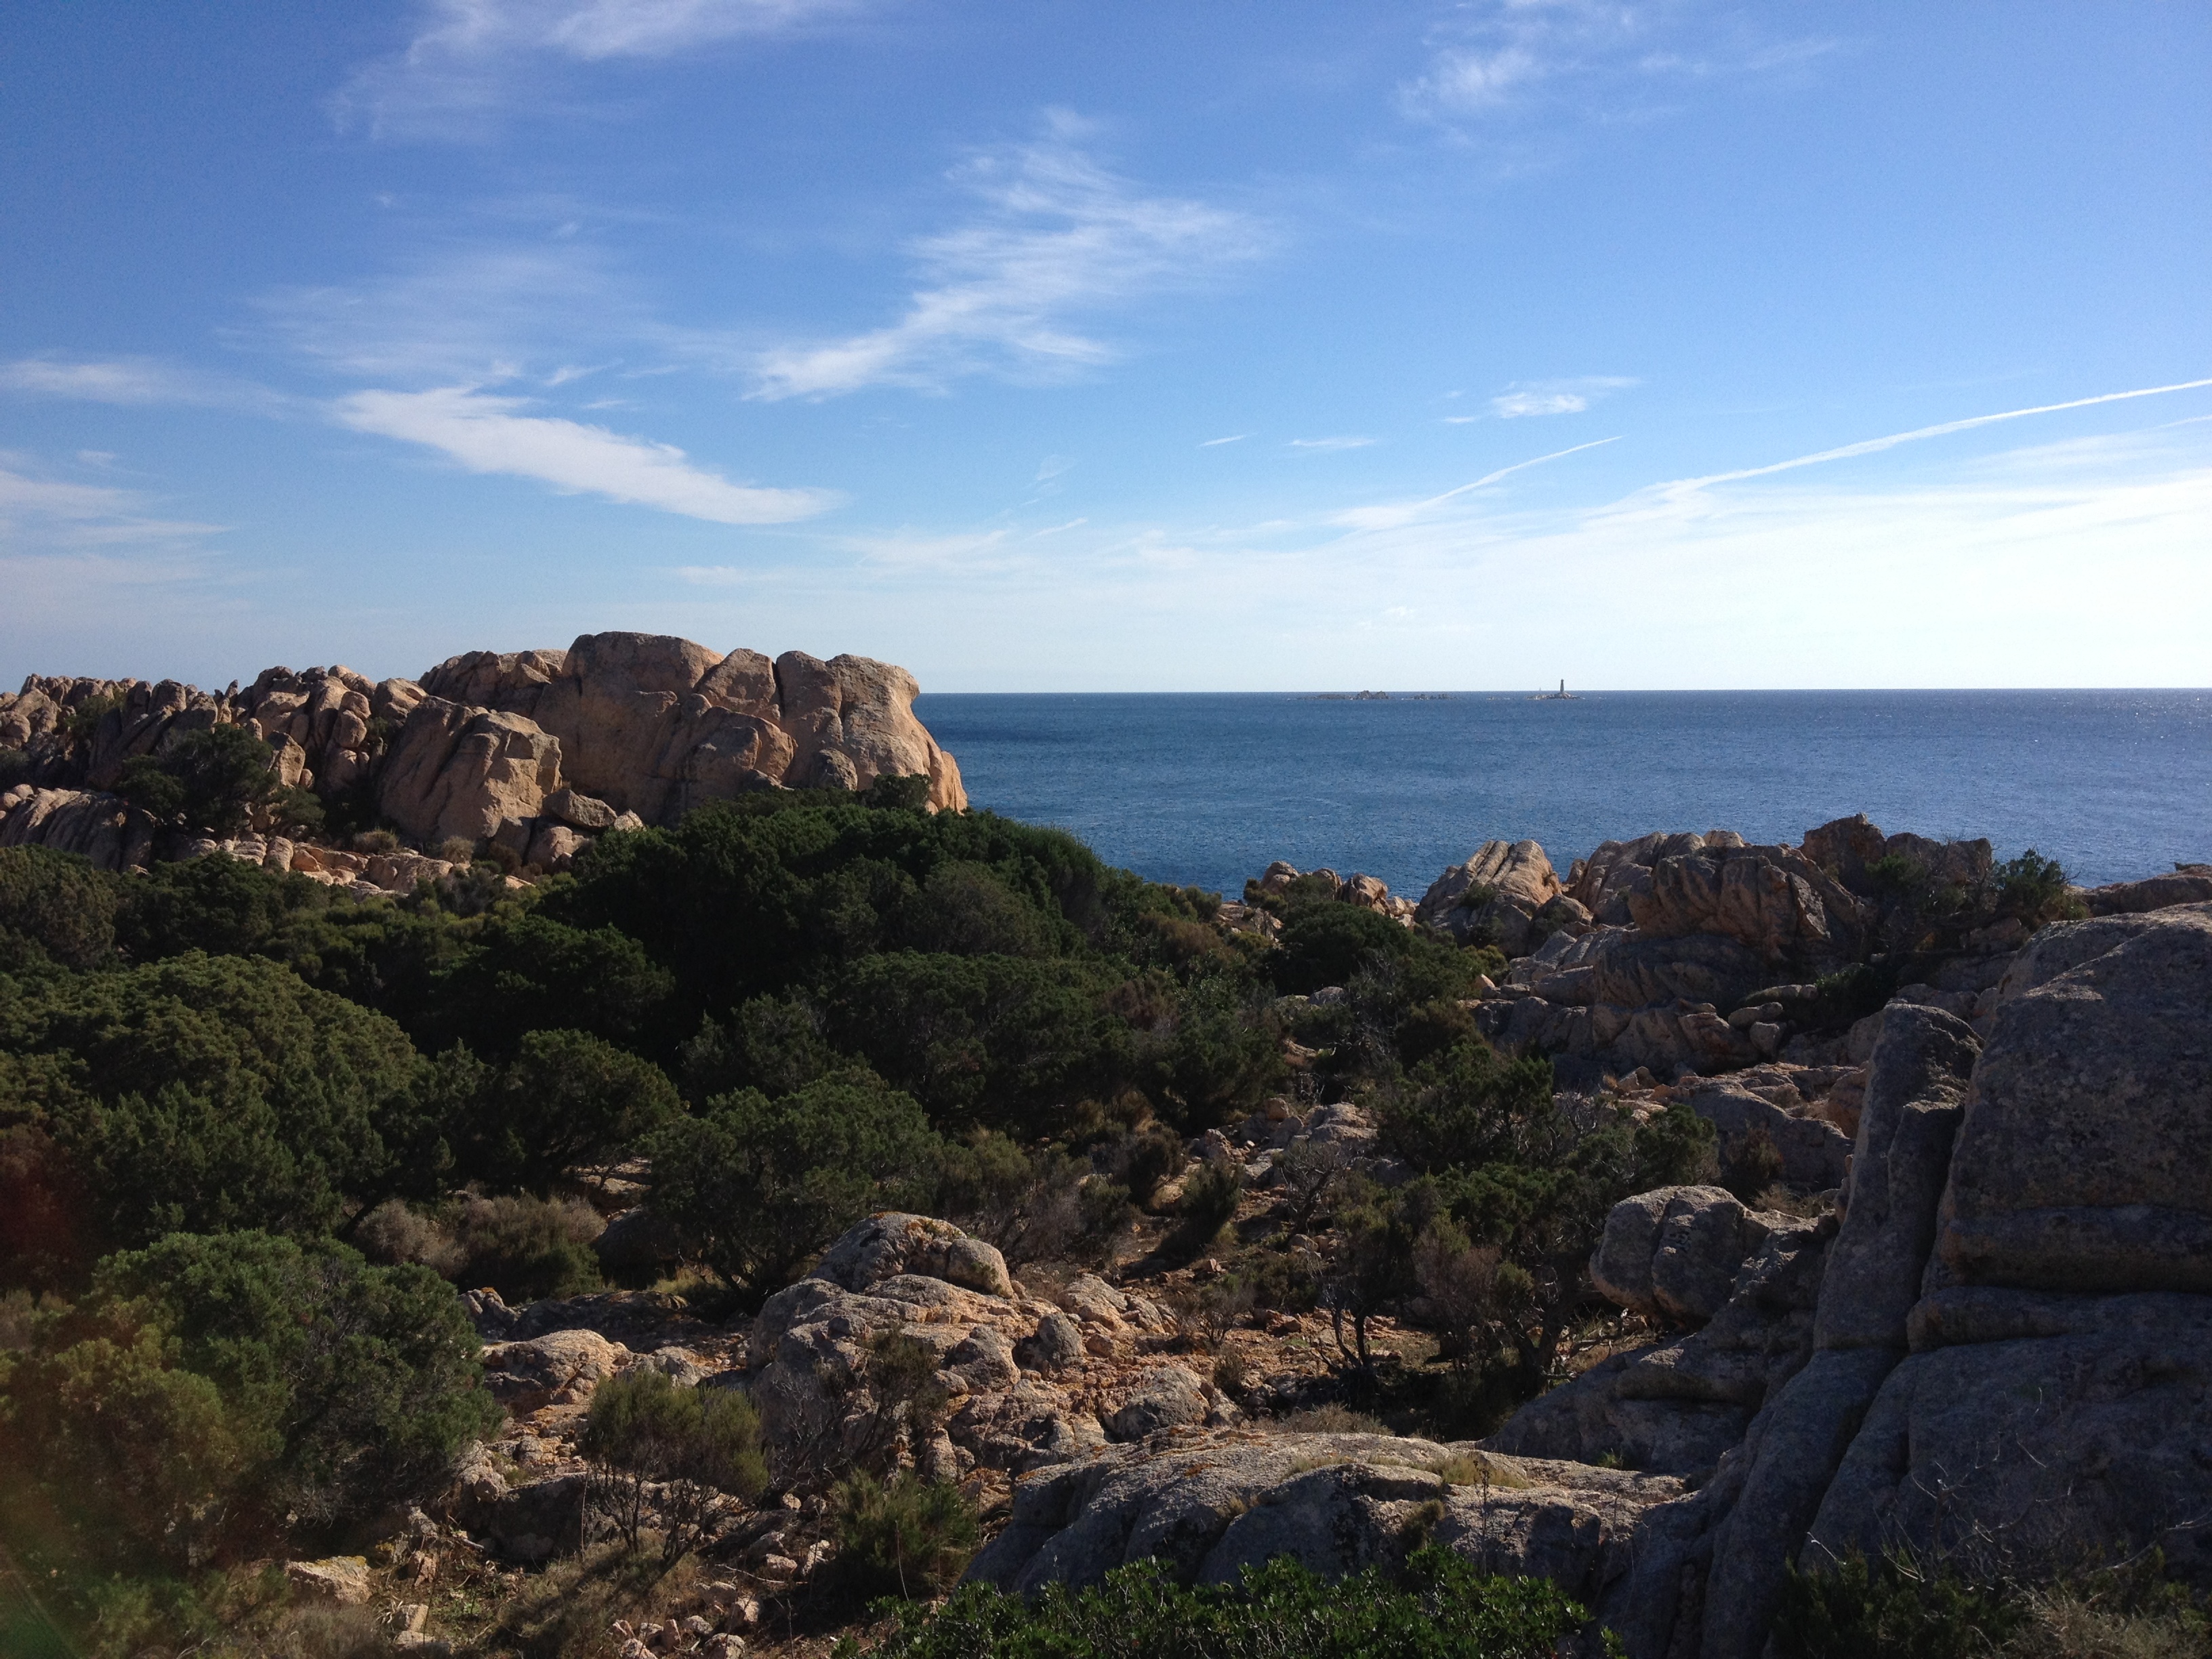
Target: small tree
x=643, y=1430
x=208, y=781
x=909, y=1535
x=756, y=1187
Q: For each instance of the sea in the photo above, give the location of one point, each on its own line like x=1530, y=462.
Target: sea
x=1208, y=789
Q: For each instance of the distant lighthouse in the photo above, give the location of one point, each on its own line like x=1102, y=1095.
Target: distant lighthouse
x=1560, y=696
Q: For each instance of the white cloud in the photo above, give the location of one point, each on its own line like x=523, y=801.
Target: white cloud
x=1526, y=398
x=468, y=313
x=471, y=61
x=134, y=381
x=486, y=434
x=1059, y=236
x=1388, y=517
x=52, y=513
x=1497, y=60
x=1876, y=446
x=1234, y=438
x=1329, y=443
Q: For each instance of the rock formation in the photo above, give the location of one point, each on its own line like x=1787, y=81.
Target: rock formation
x=2003, y=1352
x=535, y=751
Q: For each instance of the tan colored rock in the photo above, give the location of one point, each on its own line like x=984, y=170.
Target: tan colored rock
x=457, y=771
x=1515, y=870
x=555, y=846
x=343, y=1579
x=561, y=1367
x=654, y=725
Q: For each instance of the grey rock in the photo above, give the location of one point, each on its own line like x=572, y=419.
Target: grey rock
x=1210, y=1503
x=1056, y=1346
x=1165, y=1397
x=886, y=1245
x=1914, y=1098
x=1793, y=1447
x=1813, y=1151
x=2081, y=1165
x=2030, y=1455
x=1673, y=1252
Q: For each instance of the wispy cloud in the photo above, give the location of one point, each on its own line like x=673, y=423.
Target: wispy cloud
x=135, y=381
x=486, y=433
x=1526, y=398
x=1876, y=446
x=1494, y=60
x=471, y=312
x=1059, y=236
x=471, y=61
x=1233, y=437
x=38, y=511
x=1347, y=442
x=1391, y=515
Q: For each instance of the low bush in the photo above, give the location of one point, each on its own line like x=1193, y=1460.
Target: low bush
x=210, y=1393
x=1441, y=1607
x=686, y=1445
x=1900, y=1607
x=907, y=1537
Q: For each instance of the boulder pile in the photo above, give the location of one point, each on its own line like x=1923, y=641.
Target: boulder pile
x=538, y=752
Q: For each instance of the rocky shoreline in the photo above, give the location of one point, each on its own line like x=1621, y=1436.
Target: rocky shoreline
x=1989, y=1337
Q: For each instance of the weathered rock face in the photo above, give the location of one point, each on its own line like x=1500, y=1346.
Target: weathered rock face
x=1673, y=1252
x=1677, y=1407
x=654, y=725
x=1027, y=1381
x=1498, y=892
x=2009, y=1354
x=1210, y=1503
x=464, y=772
x=2082, y=1163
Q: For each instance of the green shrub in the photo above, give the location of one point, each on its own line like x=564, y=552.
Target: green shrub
x=1324, y=944
x=55, y=909
x=1467, y=1105
x=1889, y=1609
x=756, y=1187
x=204, y=1093
x=566, y=1099
x=908, y=1537
x=1209, y=1200
x=2034, y=888
x=1441, y=1607
x=211, y=1394
x=642, y=1429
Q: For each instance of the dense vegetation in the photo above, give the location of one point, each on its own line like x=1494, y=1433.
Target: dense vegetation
x=246, y=1121
x=1441, y=1607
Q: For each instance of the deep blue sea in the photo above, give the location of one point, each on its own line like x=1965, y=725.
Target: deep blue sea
x=1206, y=789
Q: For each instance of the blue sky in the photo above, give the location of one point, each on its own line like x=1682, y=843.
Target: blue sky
x=1043, y=346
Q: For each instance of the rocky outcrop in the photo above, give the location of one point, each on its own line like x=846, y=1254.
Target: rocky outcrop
x=1211, y=1503
x=654, y=725
x=1026, y=1381
x=1496, y=894
x=536, y=750
x=456, y=771
x=2000, y=1352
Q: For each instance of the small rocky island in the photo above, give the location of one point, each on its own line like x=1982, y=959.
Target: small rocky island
x=639, y=1033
